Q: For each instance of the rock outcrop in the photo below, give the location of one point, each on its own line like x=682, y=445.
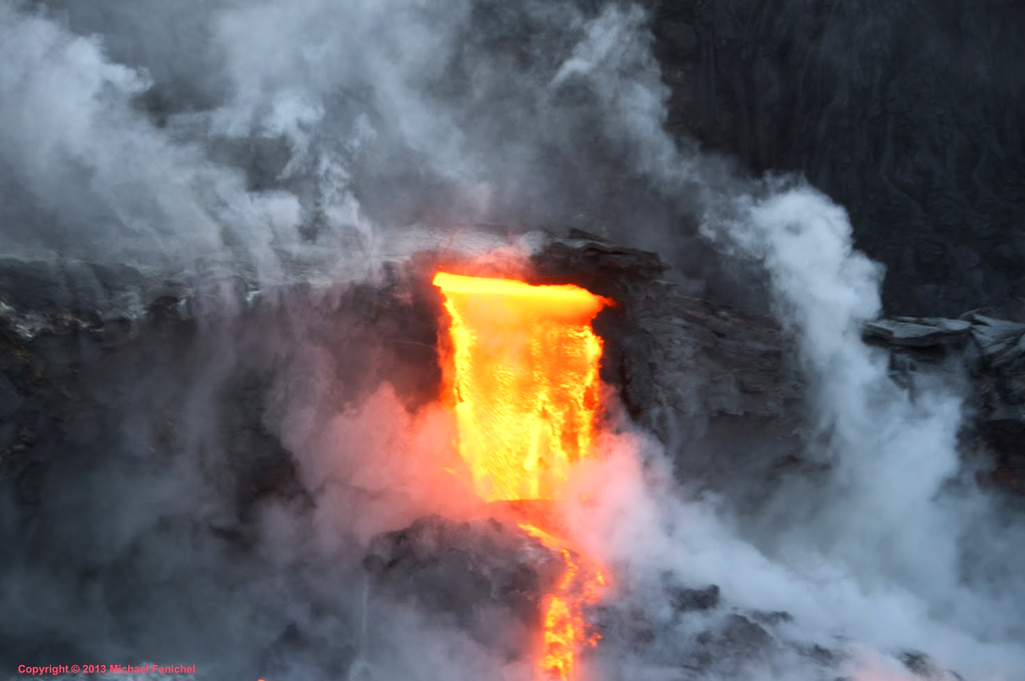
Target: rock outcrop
x=491, y=577
x=991, y=352
x=924, y=150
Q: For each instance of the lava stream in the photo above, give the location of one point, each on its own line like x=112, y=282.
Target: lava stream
x=525, y=386
x=565, y=629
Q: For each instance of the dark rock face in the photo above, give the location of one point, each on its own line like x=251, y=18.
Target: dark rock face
x=907, y=113
x=137, y=459
x=737, y=642
x=691, y=631
x=695, y=599
x=665, y=348
x=991, y=352
x=918, y=333
x=714, y=383
x=922, y=666
x=491, y=577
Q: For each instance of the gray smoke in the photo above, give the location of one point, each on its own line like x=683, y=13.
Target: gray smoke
x=270, y=141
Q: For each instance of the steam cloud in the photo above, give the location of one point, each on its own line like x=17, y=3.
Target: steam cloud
x=267, y=140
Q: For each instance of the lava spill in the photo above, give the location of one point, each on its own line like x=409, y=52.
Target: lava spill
x=525, y=387
x=565, y=629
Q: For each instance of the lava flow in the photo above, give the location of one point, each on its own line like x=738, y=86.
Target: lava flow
x=525, y=385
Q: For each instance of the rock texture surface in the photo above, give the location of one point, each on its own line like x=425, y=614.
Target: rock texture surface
x=923, y=148
x=991, y=352
x=491, y=577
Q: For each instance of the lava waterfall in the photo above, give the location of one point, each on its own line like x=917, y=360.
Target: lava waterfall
x=525, y=387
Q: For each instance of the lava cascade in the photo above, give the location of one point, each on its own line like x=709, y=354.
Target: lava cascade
x=525, y=386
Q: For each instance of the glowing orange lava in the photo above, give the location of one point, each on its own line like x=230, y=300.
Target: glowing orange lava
x=565, y=630
x=525, y=385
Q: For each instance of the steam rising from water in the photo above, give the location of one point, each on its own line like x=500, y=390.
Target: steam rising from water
x=273, y=139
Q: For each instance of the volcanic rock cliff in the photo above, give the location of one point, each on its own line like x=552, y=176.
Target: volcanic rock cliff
x=684, y=368
x=717, y=386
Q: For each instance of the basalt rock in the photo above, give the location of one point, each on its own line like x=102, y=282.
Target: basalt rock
x=715, y=384
x=736, y=642
x=686, y=600
x=491, y=577
x=696, y=635
x=922, y=666
x=990, y=352
x=919, y=333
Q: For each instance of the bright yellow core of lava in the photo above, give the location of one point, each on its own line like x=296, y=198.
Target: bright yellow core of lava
x=526, y=391
x=526, y=381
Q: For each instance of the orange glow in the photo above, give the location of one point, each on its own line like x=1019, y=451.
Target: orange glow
x=526, y=381
x=525, y=387
x=565, y=630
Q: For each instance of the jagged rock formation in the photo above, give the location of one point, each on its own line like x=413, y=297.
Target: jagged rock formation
x=667, y=349
x=992, y=353
x=490, y=576
x=714, y=383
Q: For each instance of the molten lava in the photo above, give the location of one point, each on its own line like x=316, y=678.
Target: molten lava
x=525, y=385
x=564, y=627
x=526, y=381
